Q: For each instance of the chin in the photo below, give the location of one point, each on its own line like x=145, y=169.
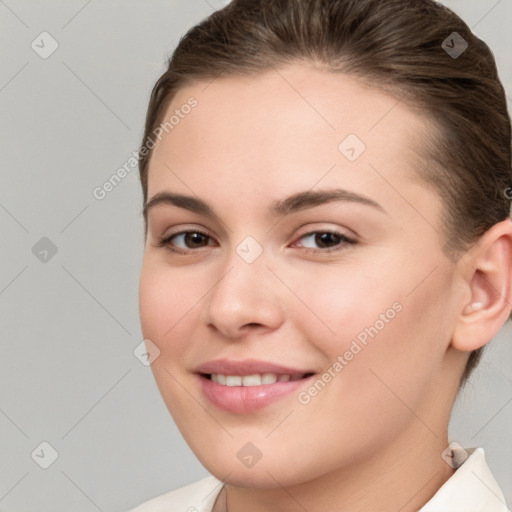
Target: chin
x=269, y=474
x=255, y=478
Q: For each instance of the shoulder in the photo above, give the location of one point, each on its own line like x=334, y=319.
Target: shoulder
x=196, y=497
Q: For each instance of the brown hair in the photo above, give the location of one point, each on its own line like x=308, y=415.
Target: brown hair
x=401, y=45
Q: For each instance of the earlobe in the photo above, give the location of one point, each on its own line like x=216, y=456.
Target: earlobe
x=488, y=280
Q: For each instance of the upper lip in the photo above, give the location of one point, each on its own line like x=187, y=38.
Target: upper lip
x=246, y=367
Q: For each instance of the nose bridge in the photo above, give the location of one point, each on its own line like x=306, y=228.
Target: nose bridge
x=244, y=267
x=245, y=277
x=244, y=293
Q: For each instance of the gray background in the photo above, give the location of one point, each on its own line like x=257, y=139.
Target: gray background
x=69, y=325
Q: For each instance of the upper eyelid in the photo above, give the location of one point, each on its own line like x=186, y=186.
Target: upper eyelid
x=346, y=238
x=342, y=231
x=186, y=231
x=154, y=219
x=183, y=228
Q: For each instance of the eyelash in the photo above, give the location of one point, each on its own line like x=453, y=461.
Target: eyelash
x=166, y=242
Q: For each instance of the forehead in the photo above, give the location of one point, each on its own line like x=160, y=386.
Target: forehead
x=284, y=124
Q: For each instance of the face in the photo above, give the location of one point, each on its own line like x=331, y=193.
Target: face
x=298, y=295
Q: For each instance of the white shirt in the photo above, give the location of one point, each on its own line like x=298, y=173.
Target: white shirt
x=471, y=488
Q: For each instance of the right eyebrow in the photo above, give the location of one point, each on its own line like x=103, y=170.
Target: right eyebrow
x=182, y=201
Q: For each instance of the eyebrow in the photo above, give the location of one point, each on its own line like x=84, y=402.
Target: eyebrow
x=280, y=208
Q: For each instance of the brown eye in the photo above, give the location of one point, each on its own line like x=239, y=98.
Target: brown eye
x=325, y=241
x=193, y=239
x=185, y=241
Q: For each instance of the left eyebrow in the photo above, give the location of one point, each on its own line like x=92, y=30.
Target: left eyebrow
x=280, y=208
x=310, y=199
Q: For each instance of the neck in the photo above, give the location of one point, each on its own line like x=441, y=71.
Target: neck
x=403, y=475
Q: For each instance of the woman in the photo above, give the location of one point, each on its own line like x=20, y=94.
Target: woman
x=328, y=249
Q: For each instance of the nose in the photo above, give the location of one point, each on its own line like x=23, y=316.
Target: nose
x=244, y=298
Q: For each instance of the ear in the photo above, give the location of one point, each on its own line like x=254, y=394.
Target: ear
x=488, y=282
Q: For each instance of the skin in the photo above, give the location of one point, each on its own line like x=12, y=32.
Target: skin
x=372, y=438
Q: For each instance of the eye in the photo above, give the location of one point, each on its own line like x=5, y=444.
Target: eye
x=185, y=241
x=314, y=241
x=325, y=241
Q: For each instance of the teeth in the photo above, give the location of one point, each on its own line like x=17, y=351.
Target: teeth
x=268, y=378
x=233, y=380
x=252, y=380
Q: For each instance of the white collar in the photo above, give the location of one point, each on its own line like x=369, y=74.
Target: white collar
x=472, y=488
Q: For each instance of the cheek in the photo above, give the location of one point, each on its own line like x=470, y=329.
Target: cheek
x=344, y=304
x=167, y=304
x=382, y=324
x=166, y=308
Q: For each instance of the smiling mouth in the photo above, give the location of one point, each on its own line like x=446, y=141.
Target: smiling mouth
x=249, y=390
x=257, y=379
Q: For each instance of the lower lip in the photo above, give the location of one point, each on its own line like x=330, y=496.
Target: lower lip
x=246, y=399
